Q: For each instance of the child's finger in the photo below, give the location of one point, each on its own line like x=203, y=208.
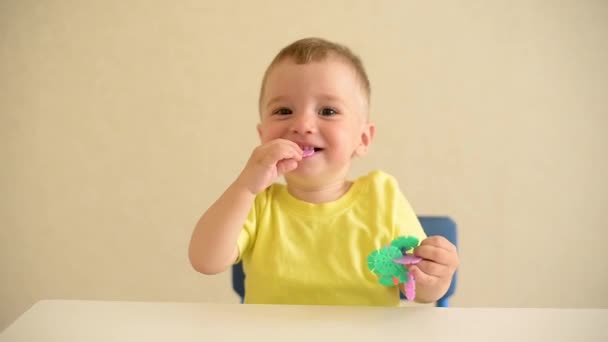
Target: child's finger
x=298, y=154
x=286, y=165
x=422, y=278
x=280, y=152
x=295, y=147
x=433, y=253
x=439, y=241
x=292, y=150
x=433, y=268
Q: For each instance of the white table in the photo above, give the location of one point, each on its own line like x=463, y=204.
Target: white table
x=67, y=321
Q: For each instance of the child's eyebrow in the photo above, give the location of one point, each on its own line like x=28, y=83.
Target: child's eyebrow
x=330, y=98
x=322, y=96
x=275, y=100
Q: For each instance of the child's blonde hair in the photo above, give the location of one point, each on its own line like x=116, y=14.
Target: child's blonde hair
x=308, y=50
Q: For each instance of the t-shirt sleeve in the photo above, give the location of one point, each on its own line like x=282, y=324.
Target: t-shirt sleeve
x=406, y=221
x=247, y=236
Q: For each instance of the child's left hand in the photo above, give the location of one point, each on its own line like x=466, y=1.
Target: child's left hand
x=434, y=273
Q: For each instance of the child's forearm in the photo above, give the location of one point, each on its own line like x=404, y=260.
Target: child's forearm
x=213, y=245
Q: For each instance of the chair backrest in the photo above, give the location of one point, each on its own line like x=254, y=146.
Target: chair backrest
x=432, y=225
x=238, y=280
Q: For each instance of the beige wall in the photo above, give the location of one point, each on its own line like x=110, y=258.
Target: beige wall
x=121, y=121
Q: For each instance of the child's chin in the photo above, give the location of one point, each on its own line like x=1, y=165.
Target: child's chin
x=304, y=171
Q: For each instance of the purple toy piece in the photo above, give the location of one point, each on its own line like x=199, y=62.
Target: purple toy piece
x=308, y=152
x=408, y=259
x=410, y=287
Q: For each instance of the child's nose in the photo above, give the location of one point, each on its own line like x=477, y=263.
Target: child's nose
x=304, y=124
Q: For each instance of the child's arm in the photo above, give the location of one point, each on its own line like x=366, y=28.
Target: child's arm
x=434, y=273
x=213, y=246
x=213, y=243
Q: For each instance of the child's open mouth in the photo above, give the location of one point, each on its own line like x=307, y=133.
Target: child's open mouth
x=309, y=151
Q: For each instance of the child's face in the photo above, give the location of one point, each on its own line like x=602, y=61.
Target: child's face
x=320, y=105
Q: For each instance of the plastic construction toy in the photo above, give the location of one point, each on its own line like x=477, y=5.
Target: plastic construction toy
x=388, y=264
x=308, y=152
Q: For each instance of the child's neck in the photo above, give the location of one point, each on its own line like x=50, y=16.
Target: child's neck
x=319, y=193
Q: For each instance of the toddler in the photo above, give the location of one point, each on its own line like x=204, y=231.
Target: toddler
x=307, y=241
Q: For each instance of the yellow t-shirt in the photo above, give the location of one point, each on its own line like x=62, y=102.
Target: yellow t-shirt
x=295, y=252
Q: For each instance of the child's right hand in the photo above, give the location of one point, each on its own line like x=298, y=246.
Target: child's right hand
x=268, y=162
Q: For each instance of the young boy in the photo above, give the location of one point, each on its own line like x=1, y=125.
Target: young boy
x=307, y=242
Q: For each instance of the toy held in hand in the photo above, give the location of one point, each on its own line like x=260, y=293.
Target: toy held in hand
x=388, y=264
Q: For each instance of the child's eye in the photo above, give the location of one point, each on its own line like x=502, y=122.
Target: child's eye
x=327, y=111
x=282, y=111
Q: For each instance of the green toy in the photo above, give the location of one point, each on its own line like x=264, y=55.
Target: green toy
x=388, y=264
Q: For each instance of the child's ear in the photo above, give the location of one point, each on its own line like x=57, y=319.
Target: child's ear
x=367, y=135
x=259, y=129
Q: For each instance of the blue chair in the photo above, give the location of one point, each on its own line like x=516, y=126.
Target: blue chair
x=432, y=225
